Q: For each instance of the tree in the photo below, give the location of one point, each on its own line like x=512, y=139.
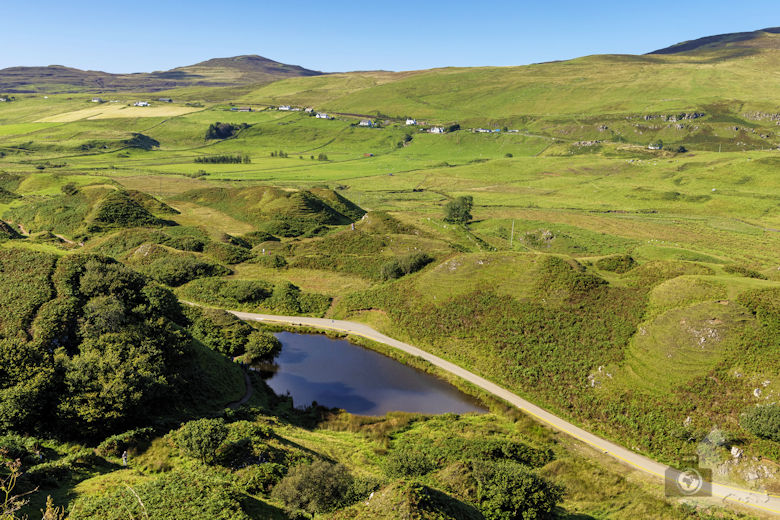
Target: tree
x=202, y=438
x=458, y=211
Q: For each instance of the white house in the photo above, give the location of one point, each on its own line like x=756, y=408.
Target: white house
x=2, y=100
x=366, y=122
x=308, y=110
x=410, y=122
x=97, y=100
x=437, y=130
x=482, y=131
x=141, y=104
x=654, y=146
x=284, y=107
x=322, y=115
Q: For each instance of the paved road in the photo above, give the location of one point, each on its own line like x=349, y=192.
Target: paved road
x=766, y=503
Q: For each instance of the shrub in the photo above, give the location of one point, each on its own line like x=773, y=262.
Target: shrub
x=409, y=461
x=254, y=238
x=617, y=263
x=260, y=478
x=318, y=487
x=408, y=264
x=260, y=346
x=763, y=421
x=202, y=438
x=509, y=491
x=743, y=271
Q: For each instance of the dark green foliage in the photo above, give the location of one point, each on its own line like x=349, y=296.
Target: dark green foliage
x=322, y=157
x=763, y=421
x=119, y=209
x=202, y=438
x=616, y=263
x=510, y=491
x=178, y=495
x=104, y=347
x=223, y=130
x=458, y=211
x=172, y=268
x=562, y=280
x=409, y=461
x=69, y=189
x=260, y=347
x=228, y=292
x=404, y=265
x=743, y=271
x=115, y=445
x=318, y=487
x=223, y=332
x=223, y=159
x=288, y=298
x=227, y=253
x=144, y=142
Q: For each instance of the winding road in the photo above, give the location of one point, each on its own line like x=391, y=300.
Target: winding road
x=763, y=502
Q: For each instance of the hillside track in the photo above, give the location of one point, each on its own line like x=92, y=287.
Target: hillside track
x=768, y=504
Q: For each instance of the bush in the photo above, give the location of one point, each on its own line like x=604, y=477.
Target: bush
x=409, y=461
x=763, y=421
x=260, y=478
x=408, y=264
x=202, y=438
x=510, y=491
x=318, y=487
x=743, y=271
x=617, y=263
x=260, y=346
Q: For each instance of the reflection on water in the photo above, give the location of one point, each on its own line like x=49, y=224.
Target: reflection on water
x=336, y=373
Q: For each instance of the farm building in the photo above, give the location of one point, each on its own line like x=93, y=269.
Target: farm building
x=366, y=122
x=410, y=122
x=482, y=131
x=141, y=104
x=284, y=107
x=165, y=100
x=308, y=110
x=437, y=130
x=97, y=100
x=322, y=115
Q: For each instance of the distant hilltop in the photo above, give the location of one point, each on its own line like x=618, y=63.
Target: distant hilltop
x=237, y=70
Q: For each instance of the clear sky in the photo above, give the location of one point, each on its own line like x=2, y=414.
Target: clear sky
x=342, y=35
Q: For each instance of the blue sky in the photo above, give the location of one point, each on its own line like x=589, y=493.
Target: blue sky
x=357, y=35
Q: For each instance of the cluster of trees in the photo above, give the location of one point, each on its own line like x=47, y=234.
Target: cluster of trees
x=398, y=267
x=223, y=159
x=223, y=130
x=279, y=153
x=458, y=210
x=101, y=353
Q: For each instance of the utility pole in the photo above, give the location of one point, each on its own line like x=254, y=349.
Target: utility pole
x=512, y=236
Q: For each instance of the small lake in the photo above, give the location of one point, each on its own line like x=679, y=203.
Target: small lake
x=338, y=374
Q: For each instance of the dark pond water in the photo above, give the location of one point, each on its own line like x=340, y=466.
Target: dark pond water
x=336, y=373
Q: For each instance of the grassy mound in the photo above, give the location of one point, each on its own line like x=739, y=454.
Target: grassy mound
x=172, y=267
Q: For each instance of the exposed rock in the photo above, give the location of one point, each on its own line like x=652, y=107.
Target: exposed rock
x=736, y=452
